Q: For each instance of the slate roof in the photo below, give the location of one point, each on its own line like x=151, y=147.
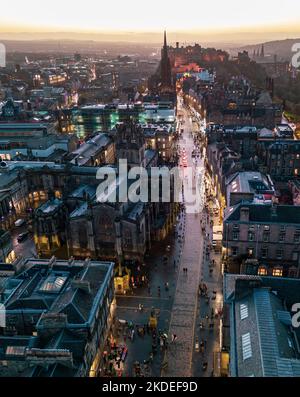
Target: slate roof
x=79, y=304
x=271, y=349
x=265, y=213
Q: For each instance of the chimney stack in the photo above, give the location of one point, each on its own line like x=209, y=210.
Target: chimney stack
x=244, y=214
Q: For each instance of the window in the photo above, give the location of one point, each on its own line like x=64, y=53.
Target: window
x=266, y=237
x=82, y=237
x=297, y=237
x=246, y=346
x=293, y=272
x=262, y=271
x=295, y=256
x=281, y=237
x=251, y=236
x=235, y=236
x=234, y=251
x=264, y=252
x=277, y=272
x=127, y=238
x=279, y=254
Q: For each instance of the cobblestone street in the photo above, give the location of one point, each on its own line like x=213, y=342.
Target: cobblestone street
x=180, y=309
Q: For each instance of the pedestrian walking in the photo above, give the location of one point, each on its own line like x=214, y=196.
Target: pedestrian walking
x=174, y=337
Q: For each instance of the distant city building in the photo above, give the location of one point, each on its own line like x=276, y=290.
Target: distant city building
x=28, y=141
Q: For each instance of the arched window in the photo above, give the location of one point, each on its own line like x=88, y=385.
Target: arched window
x=127, y=238
x=105, y=223
x=105, y=228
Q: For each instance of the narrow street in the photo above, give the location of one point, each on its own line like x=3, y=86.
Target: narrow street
x=179, y=307
x=180, y=353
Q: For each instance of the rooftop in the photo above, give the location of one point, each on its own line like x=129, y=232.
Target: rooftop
x=262, y=341
x=62, y=298
x=265, y=213
x=251, y=182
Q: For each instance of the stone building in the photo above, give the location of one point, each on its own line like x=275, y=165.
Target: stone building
x=58, y=318
x=280, y=158
x=268, y=236
x=49, y=227
x=7, y=254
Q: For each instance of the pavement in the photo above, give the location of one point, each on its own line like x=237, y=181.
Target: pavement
x=211, y=337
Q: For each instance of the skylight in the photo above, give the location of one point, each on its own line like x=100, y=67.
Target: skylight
x=246, y=346
x=243, y=311
x=53, y=283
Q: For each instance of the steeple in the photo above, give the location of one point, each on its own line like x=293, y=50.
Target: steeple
x=165, y=40
x=166, y=78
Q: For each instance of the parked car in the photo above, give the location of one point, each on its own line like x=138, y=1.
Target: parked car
x=22, y=237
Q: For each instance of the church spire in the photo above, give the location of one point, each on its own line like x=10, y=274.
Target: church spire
x=165, y=39
x=166, y=73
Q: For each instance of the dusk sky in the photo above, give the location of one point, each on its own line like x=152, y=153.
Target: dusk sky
x=94, y=16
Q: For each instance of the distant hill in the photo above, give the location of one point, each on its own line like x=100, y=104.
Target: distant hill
x=281, y=48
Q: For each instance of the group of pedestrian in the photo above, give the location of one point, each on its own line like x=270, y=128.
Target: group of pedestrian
x=185, y=270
